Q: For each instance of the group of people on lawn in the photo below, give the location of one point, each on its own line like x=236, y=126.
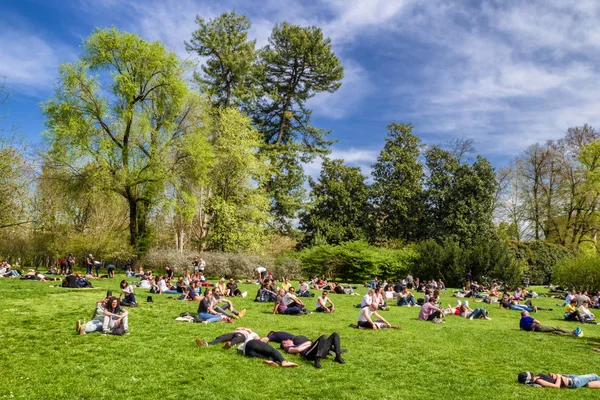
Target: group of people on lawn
x=110, y=317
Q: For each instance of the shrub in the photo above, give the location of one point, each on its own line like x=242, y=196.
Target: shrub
x=356, y=261
x=581, y=273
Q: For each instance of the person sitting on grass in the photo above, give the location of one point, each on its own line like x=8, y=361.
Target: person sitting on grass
x=227, y=305
x=286, y=284
x=529, y=324
x=322, y=302
x=316, y=350
x=206, y=311
x=264, y=294
x=518, y=295
x=292, y=300
x=570, y=311
x=429, y=312
x=115, y=318
x=95, y=324
x=406, y=298
x=192, y=292
x=365, y=319
x=259, y=349
x=240, y=335
x=82, y=281
x=303, y=290
x=164, y=286
x=584, y=314
x=367, y=299
x=127, y=291
x=557, y=381
x=281, y=306
x=378, y=298
x=232, y=289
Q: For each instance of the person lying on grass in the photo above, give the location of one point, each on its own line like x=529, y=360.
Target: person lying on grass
x=429, y=312
x=221, y=305
x=507, y=303
x=316, y=350
x=556, y=381
x=256, y=348
x=115, y=318
x=240, y=335
x=322, y=301
x=462, y=309
x=528, y=323
x=207, y=313
x=95, y=325
x=365, y=319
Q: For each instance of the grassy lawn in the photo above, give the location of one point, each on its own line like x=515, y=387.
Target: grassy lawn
x=42, y=357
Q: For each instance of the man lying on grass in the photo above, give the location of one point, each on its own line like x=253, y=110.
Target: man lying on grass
x=256, y=348
x=315, y=351
x=530, y=324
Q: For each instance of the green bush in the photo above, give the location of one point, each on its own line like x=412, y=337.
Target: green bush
x=539, y=258
x=581, y=273
x=356, y=261
x=447, y=260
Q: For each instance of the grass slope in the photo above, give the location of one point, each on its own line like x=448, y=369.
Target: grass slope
x=42, y=357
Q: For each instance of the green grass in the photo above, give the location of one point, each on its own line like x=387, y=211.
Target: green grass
x=42, y=357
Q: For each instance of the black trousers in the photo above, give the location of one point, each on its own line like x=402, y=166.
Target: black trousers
x=234, y=338
x=436, y=314
x=320, y=348
x=256, y=348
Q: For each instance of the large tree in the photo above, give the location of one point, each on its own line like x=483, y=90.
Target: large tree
x=298, y=63
x=398, y=188
x=340, y=208
x=459, y=198
x=230, y=75
x=123, y=118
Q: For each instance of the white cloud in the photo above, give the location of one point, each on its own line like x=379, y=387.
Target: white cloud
x=362, y=158
x=29, y=60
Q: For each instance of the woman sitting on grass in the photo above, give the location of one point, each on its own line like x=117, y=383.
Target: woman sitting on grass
x=365, y=319
x=570, y=311
x=127, y=291
x=206, y=311
x=115, y=318
x=556, y=381
x=429, y=312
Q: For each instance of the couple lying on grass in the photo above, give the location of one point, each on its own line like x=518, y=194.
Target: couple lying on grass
x=109, y=318
x=253, y=346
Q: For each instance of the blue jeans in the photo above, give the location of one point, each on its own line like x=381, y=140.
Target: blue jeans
x=93, y=326
x=209, y=317
x=405, y=301
x=170, y=291
x=477, y=313
x=521, y=307
x=88, y=269
x=129, y=298
x=293, y=310
x=582, y=380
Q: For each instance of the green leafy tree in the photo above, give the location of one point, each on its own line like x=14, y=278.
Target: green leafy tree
x=459, y=198
x=230, y=75
x=238, y=204
x=298, y=63
x=398, y=188
x=340, y=209
x=123, y=118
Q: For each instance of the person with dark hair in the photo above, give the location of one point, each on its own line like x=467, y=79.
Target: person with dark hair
x=110, y=270
x=316, y=350
x=89, y=264
x=528, y=323
x=429, y=312
x=206, y=311
x=127, y=291
x=95, y=324
x=281, y=307
x=64, y=266
x=70, y=263
x=115, y=318
x=240, y=335
x=232, y=289
x=322, y=302
x=218, y=299
x=556, y=381
x=406, y=298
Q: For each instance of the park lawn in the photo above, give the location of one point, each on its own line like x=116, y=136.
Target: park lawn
x=41, y=356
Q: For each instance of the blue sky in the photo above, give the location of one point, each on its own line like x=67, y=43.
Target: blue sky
x=505, y=73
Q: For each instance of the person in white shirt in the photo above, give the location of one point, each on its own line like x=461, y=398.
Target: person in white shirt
x=322, y=302
x=365, y=319
x=367, y=298
x=584, y=313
